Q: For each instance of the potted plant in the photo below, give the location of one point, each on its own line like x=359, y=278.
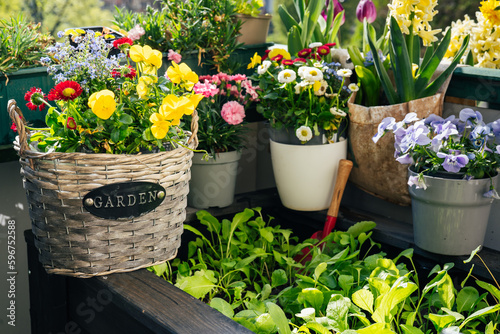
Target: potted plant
x=409, y=83
x=221, y=133
x=452, y=178
x=112, y=161
x=305, y=101
x=22, y=44
x=254, y=24
x=202, y=32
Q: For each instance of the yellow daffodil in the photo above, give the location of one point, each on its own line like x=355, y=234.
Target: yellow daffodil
x=277, y=51
x=160, y=126
x=146, y=54
x=143, y=86
x=254, y=61
x=183, y=75
x=103, y=103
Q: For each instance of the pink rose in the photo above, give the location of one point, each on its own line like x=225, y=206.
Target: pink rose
x=174, y=56
x=233, y=112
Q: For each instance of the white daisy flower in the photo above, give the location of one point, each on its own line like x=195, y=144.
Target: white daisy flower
x=353, y=87
x=344, y=72
x=318, y=65
x=315, y=45
x=263, y=67
x=338, y=112
x=287, y=76
x=321, y=89
x=304, y=133
x=312, y=74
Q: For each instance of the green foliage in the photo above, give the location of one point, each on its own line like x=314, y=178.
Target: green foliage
x=21, y=44
x=307, y=25
x=403, y=53
x=204, y=26
x=345, y=288
x=248, y=7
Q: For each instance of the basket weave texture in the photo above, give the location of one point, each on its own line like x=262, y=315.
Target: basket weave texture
x=73, y=242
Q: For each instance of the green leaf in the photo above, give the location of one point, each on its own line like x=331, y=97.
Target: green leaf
x=364, y=299
x=337, y=311
x=386, y=83
x=490, y=288
x=473, y=253
x=198, y=285
x=126, y=119
x=466, y=298
x=446, y=292
x=265, y=323
x=320, y=329
x=401, y=63
x=209, y=221
x=311, y=297
x=222, y=306
x=441, y=321
x=278, y=278
x=360, y=227
x=400, y=290
x=480, y=313
x=286, y=18
x=279, y=318
x=115, y=135
x=345, y=282
x=490, y=328
x=267, y=233
x=375, y=329
x=411, y=330
x=355, y=55
x=319, y=270
x=159, y=269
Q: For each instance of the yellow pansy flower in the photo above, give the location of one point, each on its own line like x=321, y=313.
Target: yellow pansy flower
x=160, y=126
x=174, y=107
x=182, y=74
x=195, y=99
x=103, y=103
x=275, y=52
x=254, y=61
x=143, y=86
x=146, y=54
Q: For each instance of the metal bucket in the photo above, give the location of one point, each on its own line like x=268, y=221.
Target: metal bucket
x=450, y=216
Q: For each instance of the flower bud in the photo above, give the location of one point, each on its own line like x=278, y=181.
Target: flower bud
x=366, y=10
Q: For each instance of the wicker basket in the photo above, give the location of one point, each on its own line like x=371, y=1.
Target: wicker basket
x=73, y=242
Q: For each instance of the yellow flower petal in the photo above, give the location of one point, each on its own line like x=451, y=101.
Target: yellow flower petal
x=182, y=74
x=136, y=53
x=103, y=103
x=160, y=126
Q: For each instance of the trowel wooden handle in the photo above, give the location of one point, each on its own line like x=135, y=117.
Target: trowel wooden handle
x=344, y=170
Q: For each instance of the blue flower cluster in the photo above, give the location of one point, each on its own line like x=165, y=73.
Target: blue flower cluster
x=84, y=59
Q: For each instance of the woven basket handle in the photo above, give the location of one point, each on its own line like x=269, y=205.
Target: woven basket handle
x=194, y=129
x=17, y=117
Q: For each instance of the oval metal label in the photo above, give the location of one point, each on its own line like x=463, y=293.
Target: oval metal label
x=124, y=200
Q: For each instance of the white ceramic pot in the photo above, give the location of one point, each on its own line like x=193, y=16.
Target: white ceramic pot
x=213, y=182
x=305, y=174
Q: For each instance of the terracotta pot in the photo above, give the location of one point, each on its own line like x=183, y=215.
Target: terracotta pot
x=375, y=169
x=254, y=28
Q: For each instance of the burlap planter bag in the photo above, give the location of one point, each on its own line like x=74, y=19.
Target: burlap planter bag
x=74, y=242
x=375, y=169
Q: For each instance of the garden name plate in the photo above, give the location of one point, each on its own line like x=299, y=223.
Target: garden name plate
x=124, y=200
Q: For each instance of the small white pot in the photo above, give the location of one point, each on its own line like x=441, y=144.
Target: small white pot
x=305, y=174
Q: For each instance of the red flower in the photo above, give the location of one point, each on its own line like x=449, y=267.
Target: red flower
x=266, y=53
x=299, y=60
x=304, y=53
x=125, y=71
x=13, y=127
x=330, y=45
x=70, y=123
x=35, y=98
x=277, y=58
x=287, y=62
x=323, y=50
x=66, y=90
x=124, y=40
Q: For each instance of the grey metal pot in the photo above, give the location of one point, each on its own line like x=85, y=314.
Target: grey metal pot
x=213, y=182
x=450, y=216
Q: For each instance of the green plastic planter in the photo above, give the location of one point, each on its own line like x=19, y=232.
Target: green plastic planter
x=18, y=84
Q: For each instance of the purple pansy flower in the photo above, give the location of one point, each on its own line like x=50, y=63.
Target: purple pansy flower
x=387, y=124
x=453, y=163
x=417, y=181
